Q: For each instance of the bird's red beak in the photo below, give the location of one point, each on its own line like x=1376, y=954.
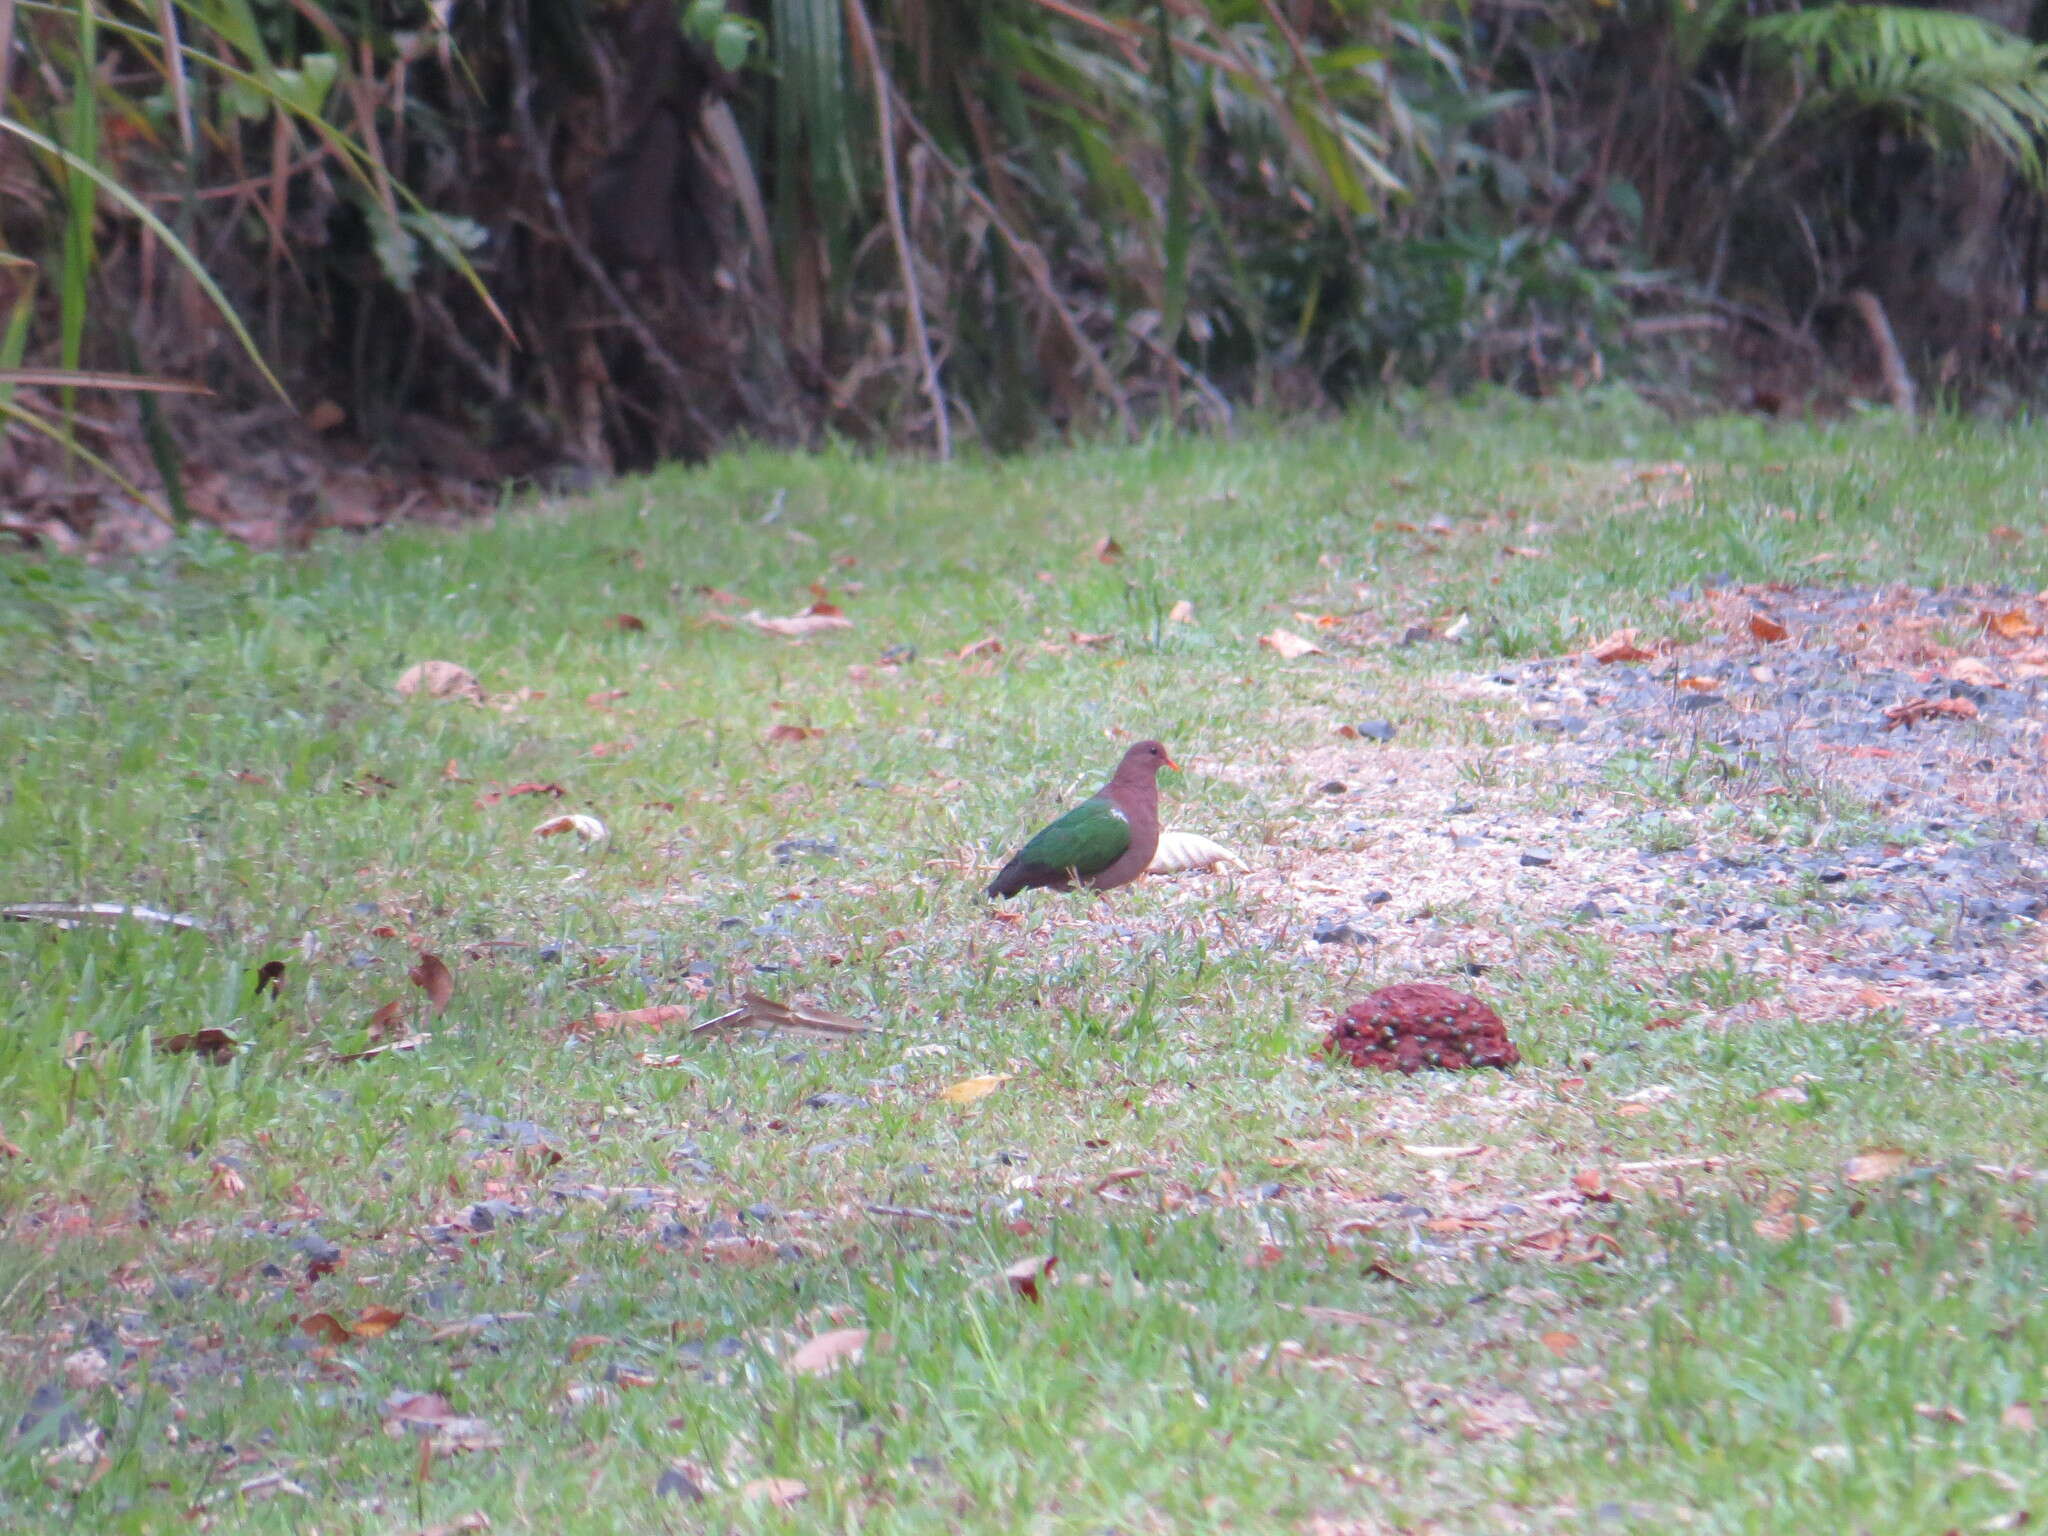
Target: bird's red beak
x=1172, y=764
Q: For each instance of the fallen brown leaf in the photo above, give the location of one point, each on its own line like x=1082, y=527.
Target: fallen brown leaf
x=1559, y=1344
x=1290, y=646
x=782, y=1492
x=1023, y=1276
x=1915, y=710
x=433, y=977
x=1182, y=612
x=440, y=680
x=1082, y=637
x=1874, y=1166
x=631, y=622
x=1107, y=550
x=216, y=1045
x=1975, y=671
x=987, y=645
x=1767, y=629
x=270, y=978
x=388, y=1023
x=1780, y=1226
x=375, y=1322
x=657, y=1017
x=588, y=829
x=1620, y=646
x=2013, y=624
x=824, y=1354
x=788, y=732
x=325, y=1327
x=605, y=696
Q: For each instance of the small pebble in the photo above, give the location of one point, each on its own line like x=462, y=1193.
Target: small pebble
x=1332, y=787
x=1376, y=730
x=678, y=1484
x=1537, y=858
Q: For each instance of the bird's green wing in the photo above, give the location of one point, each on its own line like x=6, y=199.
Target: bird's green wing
x=1088, y=839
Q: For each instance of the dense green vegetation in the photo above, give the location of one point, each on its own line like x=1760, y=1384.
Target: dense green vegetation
x=599, y=233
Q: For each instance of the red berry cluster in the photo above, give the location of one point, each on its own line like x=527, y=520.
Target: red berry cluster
x=1418, y=1025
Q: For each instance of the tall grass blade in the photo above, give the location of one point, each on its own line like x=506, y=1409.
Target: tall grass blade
x=178, y=249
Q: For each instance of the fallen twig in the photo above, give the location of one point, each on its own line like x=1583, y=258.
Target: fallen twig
x=914, y=1213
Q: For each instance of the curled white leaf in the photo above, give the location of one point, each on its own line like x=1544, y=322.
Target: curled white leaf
x=1179, y=851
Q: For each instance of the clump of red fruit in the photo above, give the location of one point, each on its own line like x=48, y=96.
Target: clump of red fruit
x=1419, y=1025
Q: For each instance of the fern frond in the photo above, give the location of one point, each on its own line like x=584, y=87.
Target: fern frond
x=1957, y=79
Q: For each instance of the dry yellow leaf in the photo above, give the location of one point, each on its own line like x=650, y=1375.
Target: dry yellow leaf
x=1182, y=612
x=969, y=1089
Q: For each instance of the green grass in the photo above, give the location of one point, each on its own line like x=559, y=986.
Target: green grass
x=1716, y=1376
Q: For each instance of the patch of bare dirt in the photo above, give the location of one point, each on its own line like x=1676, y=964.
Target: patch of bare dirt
x=1644, y=803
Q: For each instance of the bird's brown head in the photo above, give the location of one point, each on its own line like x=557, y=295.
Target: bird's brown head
x=1144, y=761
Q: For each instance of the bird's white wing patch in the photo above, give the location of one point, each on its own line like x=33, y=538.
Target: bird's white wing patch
x=1119, y=815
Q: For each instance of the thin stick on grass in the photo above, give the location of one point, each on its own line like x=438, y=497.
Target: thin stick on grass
x=899, y=232
x=1034, y=263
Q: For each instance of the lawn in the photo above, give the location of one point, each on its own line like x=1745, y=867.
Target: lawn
x=1747, y=1242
